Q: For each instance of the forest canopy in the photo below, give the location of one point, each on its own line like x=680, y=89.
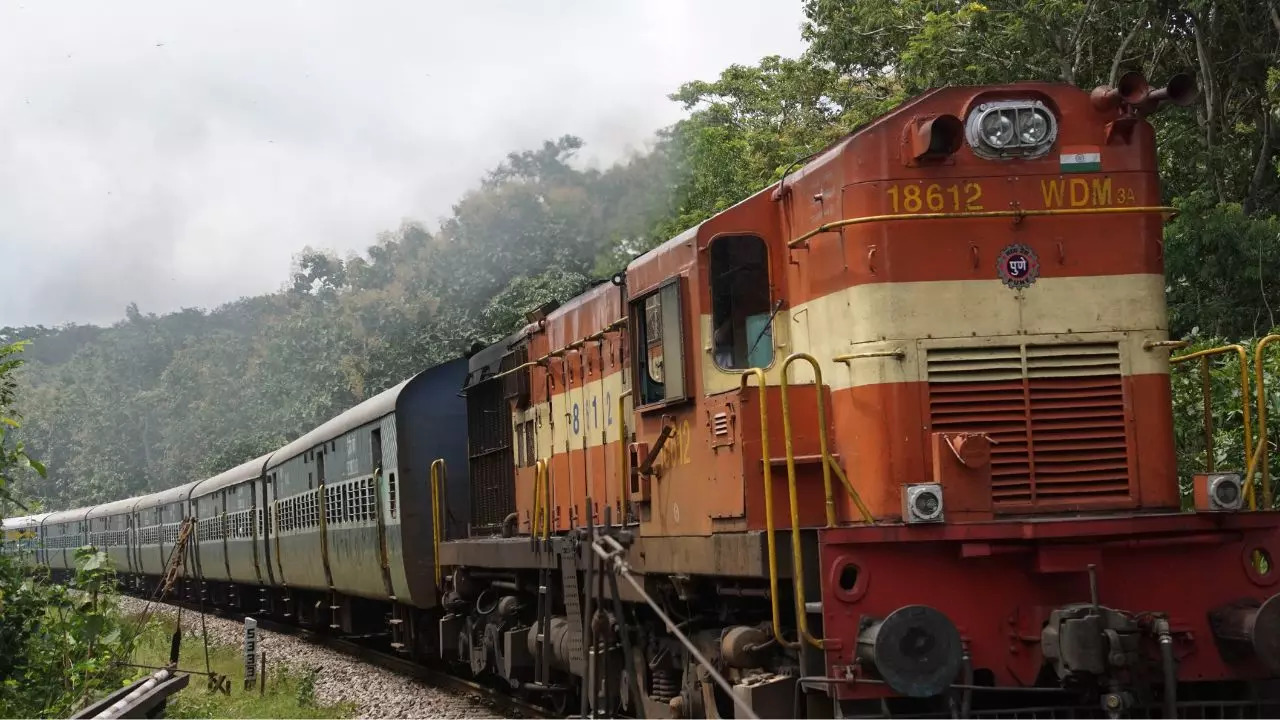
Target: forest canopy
x=157, y=400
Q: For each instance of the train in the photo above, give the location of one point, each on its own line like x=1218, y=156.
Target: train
x=891, y=436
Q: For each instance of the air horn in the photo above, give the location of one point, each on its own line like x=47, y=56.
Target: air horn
x=1135, y=94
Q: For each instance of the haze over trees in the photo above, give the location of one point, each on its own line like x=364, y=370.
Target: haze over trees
x=155, y=401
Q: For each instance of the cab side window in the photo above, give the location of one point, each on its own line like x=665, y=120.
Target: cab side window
x=741, y=316
x=660, y=345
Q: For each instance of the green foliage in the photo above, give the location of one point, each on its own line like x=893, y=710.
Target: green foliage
x=1226, y=409
x=1222, y=266
x=14, y=459
x=60, y=645
x=305, y=695
x=506, y=310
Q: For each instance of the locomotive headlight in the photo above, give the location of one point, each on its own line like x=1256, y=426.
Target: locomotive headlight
x=1225, y=491
x=1011, y=128
x=997, y=129
x=1032, y=127
x=922, y=503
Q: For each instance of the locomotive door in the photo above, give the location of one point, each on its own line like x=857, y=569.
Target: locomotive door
x=658, y=488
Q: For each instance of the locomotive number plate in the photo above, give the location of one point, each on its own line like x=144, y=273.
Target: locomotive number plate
x=968, y=196
x=935, y=197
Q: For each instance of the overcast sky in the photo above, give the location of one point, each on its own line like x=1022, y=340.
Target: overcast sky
x=179, y=154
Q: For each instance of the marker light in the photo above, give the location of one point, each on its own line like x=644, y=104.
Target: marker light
x=1011, y=128
x=923, y=503
x=1225, y=491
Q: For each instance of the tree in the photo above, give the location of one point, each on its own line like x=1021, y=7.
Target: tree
x=61, y=644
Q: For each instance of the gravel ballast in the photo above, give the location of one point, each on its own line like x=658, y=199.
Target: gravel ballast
x=376, y=692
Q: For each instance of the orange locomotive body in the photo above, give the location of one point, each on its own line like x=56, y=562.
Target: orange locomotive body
x=891, y=435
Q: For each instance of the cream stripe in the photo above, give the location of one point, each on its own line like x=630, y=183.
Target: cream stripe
x=596, y=406
x=1128, y=309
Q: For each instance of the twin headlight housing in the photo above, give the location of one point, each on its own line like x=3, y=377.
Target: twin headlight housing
x=1011, y=128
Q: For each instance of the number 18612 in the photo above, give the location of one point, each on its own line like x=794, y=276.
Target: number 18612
x=915, y=198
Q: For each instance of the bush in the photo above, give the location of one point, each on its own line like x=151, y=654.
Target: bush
x=1226, y=409
x=60, y=645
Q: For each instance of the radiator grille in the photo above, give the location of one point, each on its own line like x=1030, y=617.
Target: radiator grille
x=1056, y=413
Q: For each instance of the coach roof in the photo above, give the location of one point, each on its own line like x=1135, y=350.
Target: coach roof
x=384, y=403
x=26, y=521
x=65, y=516
x=243, y=472
x=113, y=508
x=166, y=497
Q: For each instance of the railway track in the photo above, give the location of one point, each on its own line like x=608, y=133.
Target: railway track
x=512, y=707
x=366, y=651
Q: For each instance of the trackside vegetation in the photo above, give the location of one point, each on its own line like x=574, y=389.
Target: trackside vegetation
x=288, y=692
x=65, y=645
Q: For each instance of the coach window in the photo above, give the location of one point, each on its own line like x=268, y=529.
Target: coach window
x=742, y=333
x=660, y=345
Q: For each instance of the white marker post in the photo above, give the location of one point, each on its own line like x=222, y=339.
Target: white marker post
x=250, y=652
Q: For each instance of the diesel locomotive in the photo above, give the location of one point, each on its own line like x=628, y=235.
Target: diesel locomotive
x=892, y=436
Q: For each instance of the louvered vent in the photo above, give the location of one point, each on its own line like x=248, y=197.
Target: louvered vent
x=720, y=424
x=1056, y=413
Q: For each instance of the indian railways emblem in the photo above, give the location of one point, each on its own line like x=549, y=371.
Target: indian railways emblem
x=1018, y=266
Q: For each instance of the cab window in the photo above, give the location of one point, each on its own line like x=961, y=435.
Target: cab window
x=660, y=346
x=741, y=327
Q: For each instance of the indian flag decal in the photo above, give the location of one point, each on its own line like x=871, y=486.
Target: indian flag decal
x=1080, y=158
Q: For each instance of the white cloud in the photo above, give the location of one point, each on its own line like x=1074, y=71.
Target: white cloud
x=176, y=155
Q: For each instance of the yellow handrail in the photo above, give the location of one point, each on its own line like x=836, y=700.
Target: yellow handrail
x=546, y=501
x=535, y=520
x=797, y=557
x=625, y=490
x=1017, y=214
x=541, y=520
x=1248, y=474
x=822, y=445
x=1259, y=381
x=438, y=471
x=1203, y=356
x=771, y=541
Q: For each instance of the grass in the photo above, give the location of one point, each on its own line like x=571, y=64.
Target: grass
x=288, y=693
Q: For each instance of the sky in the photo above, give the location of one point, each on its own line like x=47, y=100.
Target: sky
x=180, y=154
